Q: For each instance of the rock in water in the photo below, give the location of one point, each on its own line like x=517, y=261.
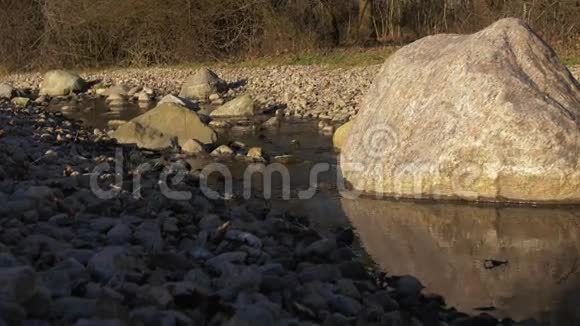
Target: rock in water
x=241, y=107
x=156, y=128
x=135, y=133
x=488, y=116
x=204, y=83
x=192, y=146
x=61, y=83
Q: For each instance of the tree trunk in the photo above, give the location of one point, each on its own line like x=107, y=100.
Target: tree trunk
x=365, y=24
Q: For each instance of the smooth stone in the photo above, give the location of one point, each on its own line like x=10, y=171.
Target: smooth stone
x=192, y=146
x=201, y=85
x=155, y=128
x=241, y=107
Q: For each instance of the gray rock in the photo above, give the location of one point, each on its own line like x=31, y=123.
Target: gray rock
x=179, y=101
x=241, y=107
x=201, y=85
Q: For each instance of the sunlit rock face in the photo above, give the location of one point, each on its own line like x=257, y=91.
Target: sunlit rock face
x=489, y=116
x=446, y=246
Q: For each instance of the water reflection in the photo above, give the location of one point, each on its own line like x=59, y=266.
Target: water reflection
x=446, y=246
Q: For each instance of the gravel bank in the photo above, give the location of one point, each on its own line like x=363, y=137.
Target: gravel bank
x=68, y=257
x=308, y=91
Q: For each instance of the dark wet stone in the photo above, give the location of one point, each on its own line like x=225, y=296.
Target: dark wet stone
x=210, y=222
x=252, y=315
x=99, y=322
x=119, y=234
x=345, y=305
x=64, y=277
x=73, y=308
x=408, y=286
x=38, y=305
x=482, y=320
x=320, y=248
x=17, y=284
x=220, y=264
x=81, y=255
x=7, y=260
x=199, y=277
x=381, y=299
x=11, y=313
x=170, y=261
x=323, y=273
x=354, y=270
x=107, y=263
x=337, y=319
x=148, y=234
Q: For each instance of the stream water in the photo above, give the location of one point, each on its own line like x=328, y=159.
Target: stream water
x=510, y=261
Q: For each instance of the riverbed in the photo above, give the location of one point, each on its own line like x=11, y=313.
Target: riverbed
x=509, y=261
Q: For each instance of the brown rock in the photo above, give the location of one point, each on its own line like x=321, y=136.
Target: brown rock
x=135, y=133
x=167, y=121
x=192, y=146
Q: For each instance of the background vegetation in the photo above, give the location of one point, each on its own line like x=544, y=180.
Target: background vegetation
x=88, y=33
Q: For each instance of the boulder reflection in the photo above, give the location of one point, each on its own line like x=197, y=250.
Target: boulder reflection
x=446, y=246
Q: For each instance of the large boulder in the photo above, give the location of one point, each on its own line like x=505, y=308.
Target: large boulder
x=156, y=128
x=489, y=116
x=201, y=85
x=6, y=91
x=241, y=107
x=61, y=83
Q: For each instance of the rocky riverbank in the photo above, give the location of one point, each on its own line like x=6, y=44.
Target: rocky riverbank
x=308, y=91
x=68, y=257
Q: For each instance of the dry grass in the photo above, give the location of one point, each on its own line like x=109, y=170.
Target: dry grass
x=40, y=34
